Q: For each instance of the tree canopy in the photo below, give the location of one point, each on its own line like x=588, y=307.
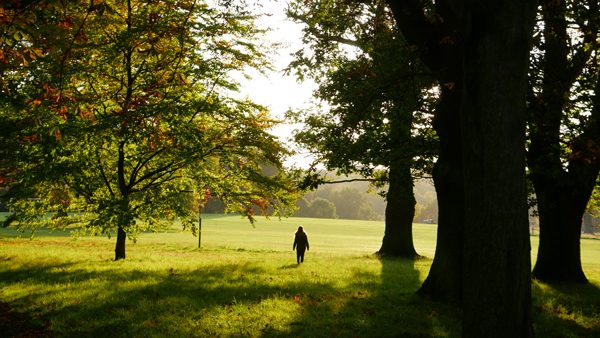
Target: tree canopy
x=128, y=111
x=372, y=107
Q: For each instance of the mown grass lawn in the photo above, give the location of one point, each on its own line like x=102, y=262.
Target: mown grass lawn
x=244, y=282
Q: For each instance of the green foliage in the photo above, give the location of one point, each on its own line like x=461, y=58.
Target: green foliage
x=563, y=116
x=322, y=208
x=373, y=106
x=129, y=118
x=372, y=190
x=340, y=195
x=317, y=208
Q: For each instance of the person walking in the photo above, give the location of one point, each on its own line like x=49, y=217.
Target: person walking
x=300, y=244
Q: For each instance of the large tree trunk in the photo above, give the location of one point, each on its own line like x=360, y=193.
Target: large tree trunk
x=441, y=50
x=560, y=210
x=399, y=214
x=444, y=281
x=120, y=248
x=497, y=266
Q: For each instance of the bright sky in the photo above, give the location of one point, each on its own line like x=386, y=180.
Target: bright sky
x=280, y=92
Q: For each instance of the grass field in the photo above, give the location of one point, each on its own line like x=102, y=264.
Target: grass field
x=244, y=282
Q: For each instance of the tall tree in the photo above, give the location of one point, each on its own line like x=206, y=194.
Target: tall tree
x=136, y=114
x=377, y=105
x=432, y=33
x=564, y=131
x=494, y=39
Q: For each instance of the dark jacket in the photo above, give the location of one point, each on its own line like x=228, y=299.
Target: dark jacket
x=301, y=240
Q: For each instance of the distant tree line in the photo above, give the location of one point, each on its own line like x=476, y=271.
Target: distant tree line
x=351, y=201
x=345, y=202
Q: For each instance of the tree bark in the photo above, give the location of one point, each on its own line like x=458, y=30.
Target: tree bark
x=497, y=266
x=399, y=214
x=560, y=210
x=445, y=60
x=444, y=281
x=120, y=248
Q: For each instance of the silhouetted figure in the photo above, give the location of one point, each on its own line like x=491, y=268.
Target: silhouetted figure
x=300, y=244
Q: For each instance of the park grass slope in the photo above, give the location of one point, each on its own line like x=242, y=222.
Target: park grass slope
x=244, y=282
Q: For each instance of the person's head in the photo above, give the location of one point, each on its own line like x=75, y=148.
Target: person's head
x=300, y=230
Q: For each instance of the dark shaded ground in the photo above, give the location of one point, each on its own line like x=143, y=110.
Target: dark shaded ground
x=17, y=324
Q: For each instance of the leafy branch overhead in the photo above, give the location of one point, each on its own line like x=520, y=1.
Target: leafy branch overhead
x=374, y=98
x=130, y=114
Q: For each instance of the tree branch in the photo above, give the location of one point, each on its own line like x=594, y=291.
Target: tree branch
x=412, y=22
x=324, y=37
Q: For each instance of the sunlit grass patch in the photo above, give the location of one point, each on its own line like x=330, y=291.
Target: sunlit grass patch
x=244, y=282
x=564, y=310
x=164, y=291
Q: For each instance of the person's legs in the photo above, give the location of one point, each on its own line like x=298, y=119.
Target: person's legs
x=301, y=254
x=298, y=256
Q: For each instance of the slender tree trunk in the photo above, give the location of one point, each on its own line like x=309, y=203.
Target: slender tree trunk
x=497, y=266
x=200, y=226
x=60, y=213
x=399, y=214
x=120, y=248
x=125, y=221
x=558, y=258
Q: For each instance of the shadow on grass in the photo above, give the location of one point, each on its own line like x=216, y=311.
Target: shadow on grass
x=114, y=303
x=11, y=232
x=384, y=306
x=290, y=266
x=131, y=302
x=566, y=310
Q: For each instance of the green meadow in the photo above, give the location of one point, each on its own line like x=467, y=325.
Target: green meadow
x=244, y=282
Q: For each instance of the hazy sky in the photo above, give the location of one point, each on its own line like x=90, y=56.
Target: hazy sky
x=280, y=92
